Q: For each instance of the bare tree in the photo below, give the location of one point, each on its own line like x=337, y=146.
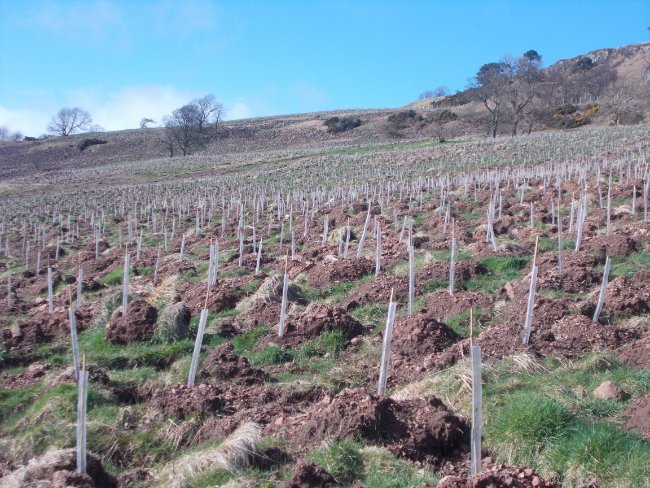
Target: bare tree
x=523, y=76
x=69, y=121
x=144, y=123
x=207, y=109
x=182, y=130
x=491, y=88
x=218, y=115
x=441, y=91
x=426, y=94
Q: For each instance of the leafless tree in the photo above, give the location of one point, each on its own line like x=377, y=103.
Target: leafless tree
x=623, y=103
x=207, y=110
x=144, y=123
x=441, y=91
x=70, y=120
x=182, y=130
x=491, y=88
x=523, y=76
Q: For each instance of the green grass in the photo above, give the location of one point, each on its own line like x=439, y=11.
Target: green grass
x=460, y=322
x=500, y=270
x=383, y=470
x=372, y=313
x=628, y=265
x=343, y=460
x=113, y=278
x=103, y=353
x=445, y=255
x=271, y=355
x=550, y=421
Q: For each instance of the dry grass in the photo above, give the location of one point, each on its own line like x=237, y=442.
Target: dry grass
x=165, y=291
x=454, y=385
x=234, y=453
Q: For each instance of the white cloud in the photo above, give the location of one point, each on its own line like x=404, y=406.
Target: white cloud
x=97, y=20
x=117, y=110
x=123, y=109
x=29, y=121
x=239, y=110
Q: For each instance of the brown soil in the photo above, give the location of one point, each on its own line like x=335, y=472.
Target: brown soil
x=498, y=476
x=441, y=305
x=439, y=270
x=262, y=313
x=421, y=334
x=317, y=319
x=42, y=327
x=612, y=245
x=419, y=430
x=34, y=372
x=636, y=354
x=309, y=476
x=179, y=401
x=638, y=416
x=139, y=325
x=223, y=296
x=571, y=337
x=578, y=272
x=625, y=297
x=378, y=290
x=264, y=404
x=223, y=363
x=339, y=270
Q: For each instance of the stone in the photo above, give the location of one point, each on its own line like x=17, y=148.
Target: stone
x=609, y=390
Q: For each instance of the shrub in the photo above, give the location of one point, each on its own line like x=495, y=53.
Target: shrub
x=336, y=125
x=86, y=143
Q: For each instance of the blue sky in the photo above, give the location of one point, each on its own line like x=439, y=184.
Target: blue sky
x=125, y=60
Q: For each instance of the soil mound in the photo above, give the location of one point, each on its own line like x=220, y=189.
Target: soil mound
x=498, y=476
x=262, y=313
x=139, y=324
x=310, y=475
x=57, y=470
x=612, y=245
x=378, y=290
x=179, y=401
x=225, y=364
x=638, y=416
x=625, y=297
x=578, y=272
x=441, y=305
x=339, y=270
x=439, y=270
x=42, y=327
x=34, y=372
x=421, y=334
x=636, y=354
x=223, y=296
x=317, y=319
x=420, y=429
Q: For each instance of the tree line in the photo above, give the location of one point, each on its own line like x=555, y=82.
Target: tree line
x=516, y=90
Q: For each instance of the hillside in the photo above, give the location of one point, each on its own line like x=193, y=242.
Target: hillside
x=292, y=307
